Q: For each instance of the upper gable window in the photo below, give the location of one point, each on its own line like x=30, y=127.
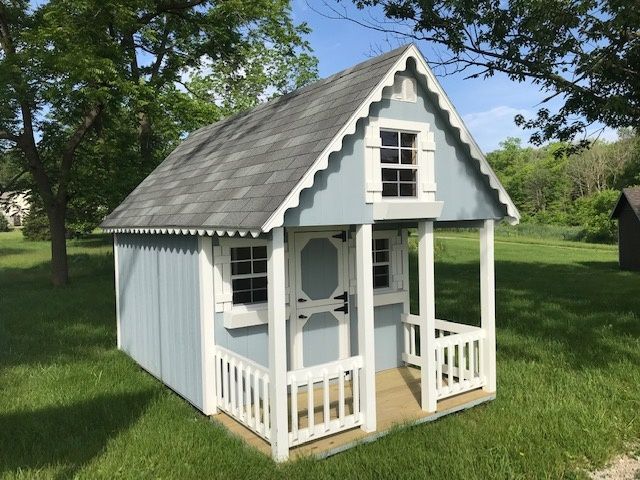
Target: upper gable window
x=398, y=161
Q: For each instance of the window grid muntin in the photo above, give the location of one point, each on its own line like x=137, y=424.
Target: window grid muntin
x=249, y=274
x=380, y=247
x=399, y=143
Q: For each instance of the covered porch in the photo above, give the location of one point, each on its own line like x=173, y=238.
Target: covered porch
x=398, y=403
x=286, y=409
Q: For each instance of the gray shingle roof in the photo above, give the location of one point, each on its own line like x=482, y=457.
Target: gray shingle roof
x=632, y=194
x=236, y=173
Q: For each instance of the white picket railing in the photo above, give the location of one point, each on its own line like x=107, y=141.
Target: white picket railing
x=327, y=386
x=243, y=390
x=458, y=355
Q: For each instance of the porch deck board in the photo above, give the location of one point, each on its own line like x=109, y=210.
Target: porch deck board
x=398, y=402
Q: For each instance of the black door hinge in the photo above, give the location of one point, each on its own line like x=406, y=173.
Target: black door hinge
x=342, y=297
x=342, y=235
x=344, y=308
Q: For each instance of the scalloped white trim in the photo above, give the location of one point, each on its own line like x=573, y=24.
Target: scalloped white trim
x=292, y=200
x=187, y=231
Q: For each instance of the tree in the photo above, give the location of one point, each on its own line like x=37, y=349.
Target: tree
x=87, y=86
x=585, y=53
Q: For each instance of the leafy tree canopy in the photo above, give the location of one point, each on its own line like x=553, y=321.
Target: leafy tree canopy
x=94, y=93
x=586, y=53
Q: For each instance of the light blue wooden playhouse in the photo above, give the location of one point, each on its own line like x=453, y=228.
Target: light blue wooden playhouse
x=262, y=270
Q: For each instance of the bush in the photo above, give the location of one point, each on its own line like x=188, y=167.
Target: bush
x=4, y=224
x=593, y=213
x=36, y=226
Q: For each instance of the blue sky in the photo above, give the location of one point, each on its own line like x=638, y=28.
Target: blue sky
x=486, y=105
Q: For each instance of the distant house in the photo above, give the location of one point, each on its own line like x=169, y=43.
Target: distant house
x=627, y=211
x=262, y=270
x=15, y=206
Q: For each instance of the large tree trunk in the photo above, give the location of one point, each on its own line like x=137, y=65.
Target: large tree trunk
x=59, y=263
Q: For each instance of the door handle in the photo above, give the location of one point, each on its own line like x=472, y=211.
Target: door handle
x=302, y=300
x=302, y=317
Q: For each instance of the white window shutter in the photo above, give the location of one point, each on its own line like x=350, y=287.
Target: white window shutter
x=398, y=251
x=223, y=293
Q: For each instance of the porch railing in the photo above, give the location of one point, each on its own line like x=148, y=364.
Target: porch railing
x=243, y=390
x=458, y=355
x=331, y=392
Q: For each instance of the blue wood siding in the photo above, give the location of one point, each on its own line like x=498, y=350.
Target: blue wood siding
x=160, y=308
x=337, y=195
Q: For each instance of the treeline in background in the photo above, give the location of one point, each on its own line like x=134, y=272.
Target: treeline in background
x=569, y=195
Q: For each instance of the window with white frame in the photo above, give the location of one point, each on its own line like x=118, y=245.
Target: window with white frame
x=249, y=274
x=399, y=163
x=381, y=250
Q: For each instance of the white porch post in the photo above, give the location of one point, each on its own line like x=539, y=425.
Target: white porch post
x=488, y=303
x=427, y=315
x=277, y=345
x=117, y=289
x=366, y=345
x=207, y=341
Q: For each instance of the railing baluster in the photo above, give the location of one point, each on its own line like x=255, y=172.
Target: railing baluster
x=439, y=362
x=326, y=400
x=450, y=366
x=294, y=408
x=341, y=397
x=355, y=392
x=310, y=412
x=413, y=350
x=240, y=397
x=247, y=386
x=265, y=405
x=256, y=398
x=225, y=373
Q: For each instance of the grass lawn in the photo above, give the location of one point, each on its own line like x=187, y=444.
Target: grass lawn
x=568, y=377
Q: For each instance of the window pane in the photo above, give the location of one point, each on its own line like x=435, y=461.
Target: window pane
x=240, y=268
x=260, y=252
x=242, y=297
x=389, y=138
x=381, y=243
x=381, y=270
x=389, y=175
x=260, y=266
x=382, y=256
x=407, y=189
x=260, y=295
x=408, y=140
x=241, y=253
x=389, y=189
x=241, y=284
x=409, y=157
x=259, y=282
x=380, y=281
x=389, y=155
x=407, y=175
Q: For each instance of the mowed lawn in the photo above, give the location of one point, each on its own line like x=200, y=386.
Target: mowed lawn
x=568, y=377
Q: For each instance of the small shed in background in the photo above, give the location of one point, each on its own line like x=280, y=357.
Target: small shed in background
x=627, y=211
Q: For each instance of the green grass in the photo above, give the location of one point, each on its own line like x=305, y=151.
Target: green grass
x=568, y=376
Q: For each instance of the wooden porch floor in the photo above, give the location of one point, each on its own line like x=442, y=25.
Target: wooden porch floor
x=398, y=402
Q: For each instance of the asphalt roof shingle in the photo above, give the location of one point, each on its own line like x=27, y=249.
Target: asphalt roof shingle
x=235, y=173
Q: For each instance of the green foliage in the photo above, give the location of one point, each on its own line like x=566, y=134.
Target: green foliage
x=550, y=187
x=4, y=224
x=583, y=53
x=593, y=213
x=35, y=226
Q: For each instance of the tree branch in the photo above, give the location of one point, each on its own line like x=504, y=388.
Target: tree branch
x=69, y=151
x=6, y=135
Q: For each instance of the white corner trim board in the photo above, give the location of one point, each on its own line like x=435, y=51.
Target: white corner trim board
x=292, y=200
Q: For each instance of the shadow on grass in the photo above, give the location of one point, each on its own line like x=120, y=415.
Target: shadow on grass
x=40, y=323
x=579, y=311
x=12, y=251
x=66, y=437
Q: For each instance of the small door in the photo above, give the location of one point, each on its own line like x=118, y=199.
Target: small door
x=320, y=330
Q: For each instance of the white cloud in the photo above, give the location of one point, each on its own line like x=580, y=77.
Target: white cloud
x=491, y=127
